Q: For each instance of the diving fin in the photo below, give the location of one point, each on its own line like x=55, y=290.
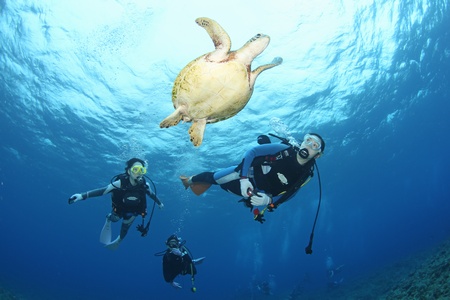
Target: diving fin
x=115, y=244
x=198, y=261
x=105, y=235
x=185, y=180
x=197, y=187
x=200, y=188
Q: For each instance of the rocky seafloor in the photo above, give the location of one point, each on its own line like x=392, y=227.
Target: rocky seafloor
x=422, y=276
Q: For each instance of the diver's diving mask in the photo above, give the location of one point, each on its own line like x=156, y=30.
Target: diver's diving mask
x=174, y=242
x=313, y=142
x=138, y=170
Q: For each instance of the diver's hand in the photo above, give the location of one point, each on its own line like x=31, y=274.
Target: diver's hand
x=246, y=186
x=176, y=251
x=260, y=218
x=75, y=198
x=260, y=199
x=161, y=205
x=176, y=285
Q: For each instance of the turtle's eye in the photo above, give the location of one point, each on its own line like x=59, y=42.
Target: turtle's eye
x=255, y=37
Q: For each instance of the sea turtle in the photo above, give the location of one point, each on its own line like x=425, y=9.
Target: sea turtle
x=218, y=84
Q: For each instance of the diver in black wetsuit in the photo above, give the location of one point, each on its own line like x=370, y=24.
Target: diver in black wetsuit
x=128, y=194
x=177, y=260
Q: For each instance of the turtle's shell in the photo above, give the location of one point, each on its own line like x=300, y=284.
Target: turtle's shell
x=212, y=90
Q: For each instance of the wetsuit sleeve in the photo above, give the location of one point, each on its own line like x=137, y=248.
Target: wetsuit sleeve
x=262, y=150
x=98, y=192
x=152, y=195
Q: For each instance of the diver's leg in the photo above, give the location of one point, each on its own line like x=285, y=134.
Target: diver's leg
x=205, y=177
x=219, y=177
x=226, y=175
x=126, y=224
x=198, y=183
x=229, y=180
x=113, y=217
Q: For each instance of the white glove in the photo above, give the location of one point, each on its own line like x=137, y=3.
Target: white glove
x=75, y=198
x=245, y=186
x=260, y=200
x=161, y=206
x=176, y=285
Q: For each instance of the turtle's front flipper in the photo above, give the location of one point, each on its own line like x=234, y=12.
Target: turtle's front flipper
x=218, y=35
x=173, y=119
x=196, y=131
x=275, y=62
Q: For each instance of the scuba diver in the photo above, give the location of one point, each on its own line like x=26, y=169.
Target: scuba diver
x=334, y=279
x=178, y=260
x=269, y=174
x=264, y=288
x=128, y=194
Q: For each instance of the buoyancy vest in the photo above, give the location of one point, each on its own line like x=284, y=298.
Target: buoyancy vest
x=276, y=174
x=129, y=198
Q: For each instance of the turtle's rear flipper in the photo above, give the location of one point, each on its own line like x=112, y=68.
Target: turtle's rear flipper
x=173, y=119
x=196, y=131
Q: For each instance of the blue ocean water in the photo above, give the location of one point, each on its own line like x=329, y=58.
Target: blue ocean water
x=85, y=84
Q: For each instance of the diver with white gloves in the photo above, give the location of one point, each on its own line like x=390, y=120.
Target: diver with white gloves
x=269, y=174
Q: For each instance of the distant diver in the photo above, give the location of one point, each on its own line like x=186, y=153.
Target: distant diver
x=178, y=260
x=332, y=272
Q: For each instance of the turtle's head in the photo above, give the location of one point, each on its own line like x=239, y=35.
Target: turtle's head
x=256, y=45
